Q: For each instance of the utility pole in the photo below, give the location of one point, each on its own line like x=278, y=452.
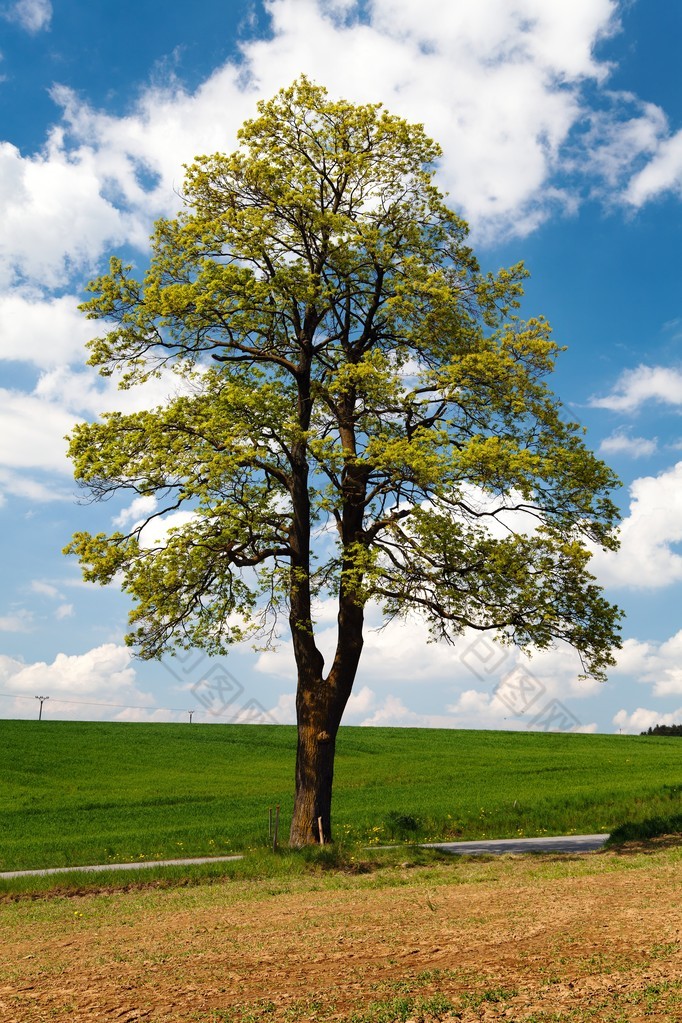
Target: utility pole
x=42, y=701
x=190, y=712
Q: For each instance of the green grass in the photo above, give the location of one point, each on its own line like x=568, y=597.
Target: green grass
x=74, y=793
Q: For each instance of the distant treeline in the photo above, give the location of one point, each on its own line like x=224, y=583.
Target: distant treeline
x=663, y=730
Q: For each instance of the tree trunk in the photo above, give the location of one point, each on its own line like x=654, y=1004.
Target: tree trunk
x=320, y=704
x=314, y=777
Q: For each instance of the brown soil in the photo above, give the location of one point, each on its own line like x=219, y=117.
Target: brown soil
x=508, y=940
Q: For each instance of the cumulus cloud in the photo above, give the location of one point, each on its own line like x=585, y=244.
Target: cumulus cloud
x=86, y=394
x=108, y=667
x=499, y=85
x=473, y=709
x=138, y=510
x=45, y=589
x=17, y=621
x=43, y=331
x=647, y=558
x=56, y=217
x=642, y=718
x=34, y=426
x=32, y=15
x=100, y=683
x=621, y=443
x=662, y=174
x=32, y=432
x=658, y=664
x=637, y=386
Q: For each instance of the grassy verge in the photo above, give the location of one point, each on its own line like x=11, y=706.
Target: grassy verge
x=334, y=864
x=641, y=831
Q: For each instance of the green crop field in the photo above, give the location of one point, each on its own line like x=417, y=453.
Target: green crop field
x=74, y=793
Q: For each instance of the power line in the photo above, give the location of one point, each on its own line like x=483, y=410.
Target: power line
x=230, y=712
x=96, y=703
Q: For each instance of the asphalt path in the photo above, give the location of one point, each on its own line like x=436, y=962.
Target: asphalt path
x=117, y=866
x=499, y=846
x=490, y=847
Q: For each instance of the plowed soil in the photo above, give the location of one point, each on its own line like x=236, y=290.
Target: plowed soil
x=517, y=939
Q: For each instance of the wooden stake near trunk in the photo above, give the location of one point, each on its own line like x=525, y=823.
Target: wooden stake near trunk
x=274, y=837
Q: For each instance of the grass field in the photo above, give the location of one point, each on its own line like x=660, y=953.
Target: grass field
x=74, y=793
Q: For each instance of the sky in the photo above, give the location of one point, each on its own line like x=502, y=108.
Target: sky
x=561, y=130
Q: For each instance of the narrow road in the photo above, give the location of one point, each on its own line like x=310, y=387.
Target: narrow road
x=117, y=866
x=498, y=846
x=491, y=847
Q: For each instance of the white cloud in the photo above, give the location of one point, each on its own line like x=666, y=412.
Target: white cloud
x=645, y=383
x=656, y=664
x=104, y=669
x=642, y=718
x=284, y=710
x=33, y=15
x=19, y=485
x=86, y=394
x=621, y=443
x=18, y=621
x=622, y=136
x=34, y=426
x=473, y=709
x=55, y=215
x=100, y=684
x=647, y=558
x=44, y=589
x=662, y=174
x=46, y=332
x=32, y=432
x=360, y=703
x=393, y=713
x=498, y=84
x=64, y=611
x=155, y=533
x=138, y=510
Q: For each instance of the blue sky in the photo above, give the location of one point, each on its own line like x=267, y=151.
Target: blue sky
x=561, y=126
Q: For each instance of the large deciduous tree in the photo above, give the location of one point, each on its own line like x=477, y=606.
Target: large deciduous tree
x=360, y=415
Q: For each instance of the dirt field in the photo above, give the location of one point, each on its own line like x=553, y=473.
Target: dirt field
x=517, y=939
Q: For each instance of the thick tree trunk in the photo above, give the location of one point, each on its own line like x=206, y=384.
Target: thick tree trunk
x=317, y=730
x=320, y=704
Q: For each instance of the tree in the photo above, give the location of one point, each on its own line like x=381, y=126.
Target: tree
x=360, y=414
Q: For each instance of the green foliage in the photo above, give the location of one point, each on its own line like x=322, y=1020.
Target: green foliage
x=73, y=793
x=341, y=361
x=663, y=730
x=651, y=827
x=401, y=825
x=407, y=1007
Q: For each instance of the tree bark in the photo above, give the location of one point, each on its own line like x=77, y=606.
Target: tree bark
x=317, y=731
x=320, y=704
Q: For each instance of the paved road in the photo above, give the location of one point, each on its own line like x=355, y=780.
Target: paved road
x=498, y=846
x=117, y=866
x=491, y=847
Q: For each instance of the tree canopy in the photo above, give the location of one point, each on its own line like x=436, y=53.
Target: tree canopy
x=359, y=414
